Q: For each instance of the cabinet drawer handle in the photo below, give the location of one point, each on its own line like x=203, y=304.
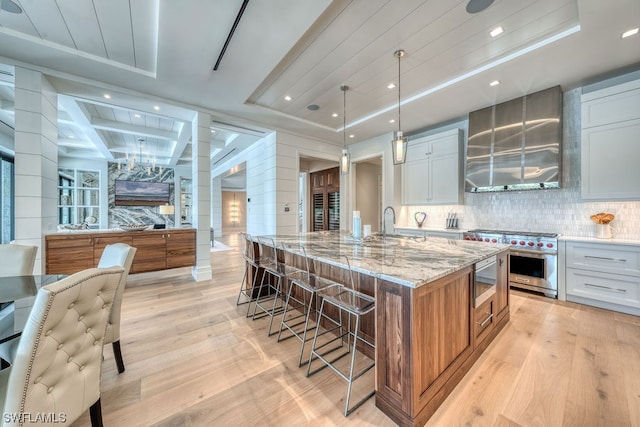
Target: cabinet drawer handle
x=605, y=287
x=606, y=258
x=484, y=322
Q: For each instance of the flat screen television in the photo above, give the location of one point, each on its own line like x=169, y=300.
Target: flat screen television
x=141, y=193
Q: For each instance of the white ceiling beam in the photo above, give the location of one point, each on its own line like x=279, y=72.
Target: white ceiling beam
x=80, y=116
x=184, y=136
x=132, y=129
x=8, y=106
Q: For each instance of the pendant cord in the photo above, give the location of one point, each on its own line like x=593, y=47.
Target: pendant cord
x=344, y=118
x=399, y=124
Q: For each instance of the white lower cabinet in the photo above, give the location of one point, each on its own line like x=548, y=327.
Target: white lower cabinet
x=603, y=275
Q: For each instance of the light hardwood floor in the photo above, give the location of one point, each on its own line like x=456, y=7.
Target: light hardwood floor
x=193, y=359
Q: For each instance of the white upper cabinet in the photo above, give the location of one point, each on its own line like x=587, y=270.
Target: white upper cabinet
x=432, y=174
x=611, y=143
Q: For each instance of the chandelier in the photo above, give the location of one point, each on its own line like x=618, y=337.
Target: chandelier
x=135, y=160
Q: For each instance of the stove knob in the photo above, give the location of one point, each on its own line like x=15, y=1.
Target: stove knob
x=494, y=240
x=473, y=238
x=521, y=243
x=514, y=242
x=486, y=239
x=530, y=243
x=467, y=238
x=549, y=245
x=540, y=244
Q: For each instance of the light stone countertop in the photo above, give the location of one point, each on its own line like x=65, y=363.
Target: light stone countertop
x=405, y=260
x=612, y=241
x=111, y=230
x=428, y=229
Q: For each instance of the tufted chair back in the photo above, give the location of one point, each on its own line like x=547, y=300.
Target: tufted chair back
x=59, y=358
x=17, y=260
x=119, y=254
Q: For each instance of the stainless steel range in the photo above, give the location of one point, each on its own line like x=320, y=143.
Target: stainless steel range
x=533, y=258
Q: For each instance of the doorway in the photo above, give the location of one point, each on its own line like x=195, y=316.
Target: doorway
x=308, y=166
x=233, y=201
x=368, y=191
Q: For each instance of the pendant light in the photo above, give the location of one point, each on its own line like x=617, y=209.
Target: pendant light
x=399, y=144
x=344, y=157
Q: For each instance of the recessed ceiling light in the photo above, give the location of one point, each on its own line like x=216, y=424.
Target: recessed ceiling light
x=287, y=98
x=137, y=116
x=334, y=115
x=392, y=121
x=107, y=96
x=71, y=136
x=213, y=131
x=155, y=107
x=494, y=83
x=352, y=136
x=630, y=33
x=496, y=31
x=391, y=86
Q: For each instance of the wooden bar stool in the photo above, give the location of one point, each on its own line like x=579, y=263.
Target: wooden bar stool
x=296, y=305
x=346, y=299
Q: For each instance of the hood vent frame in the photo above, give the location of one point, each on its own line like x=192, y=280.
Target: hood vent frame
x=516, y=145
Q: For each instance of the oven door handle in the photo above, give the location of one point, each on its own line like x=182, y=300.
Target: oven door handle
x=530, y=254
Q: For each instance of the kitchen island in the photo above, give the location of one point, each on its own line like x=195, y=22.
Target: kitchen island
x=429, y=328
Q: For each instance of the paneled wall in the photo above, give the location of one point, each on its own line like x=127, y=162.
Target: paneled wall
x=272, y=180
x=559, y=210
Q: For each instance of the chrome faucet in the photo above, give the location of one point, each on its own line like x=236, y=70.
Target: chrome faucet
x=384, y=216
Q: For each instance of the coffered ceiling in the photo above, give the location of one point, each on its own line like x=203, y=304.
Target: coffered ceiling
x=148, y=53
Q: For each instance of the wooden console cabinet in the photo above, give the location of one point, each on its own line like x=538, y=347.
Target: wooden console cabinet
x=156, y=249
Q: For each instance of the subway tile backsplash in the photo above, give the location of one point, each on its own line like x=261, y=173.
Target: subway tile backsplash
x=559, y=211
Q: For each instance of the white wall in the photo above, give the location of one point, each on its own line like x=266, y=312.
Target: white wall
x=379, y=146
x=289, y=150
x=260, y=161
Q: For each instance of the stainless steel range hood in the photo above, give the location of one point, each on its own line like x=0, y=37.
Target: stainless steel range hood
x=516, y=145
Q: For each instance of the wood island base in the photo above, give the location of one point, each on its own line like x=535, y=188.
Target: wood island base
x=427, y=339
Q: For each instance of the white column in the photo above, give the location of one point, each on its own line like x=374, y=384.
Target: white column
x=201, y=173
x=36, y=160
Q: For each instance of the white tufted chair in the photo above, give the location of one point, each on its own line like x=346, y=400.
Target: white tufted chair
x=58, y=364
x=17, y=260
x=122, y=255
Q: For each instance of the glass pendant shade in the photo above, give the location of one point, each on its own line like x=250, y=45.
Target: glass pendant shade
x=399, y=148
x=344, y=162
x=399, y=143
x=344, y=157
